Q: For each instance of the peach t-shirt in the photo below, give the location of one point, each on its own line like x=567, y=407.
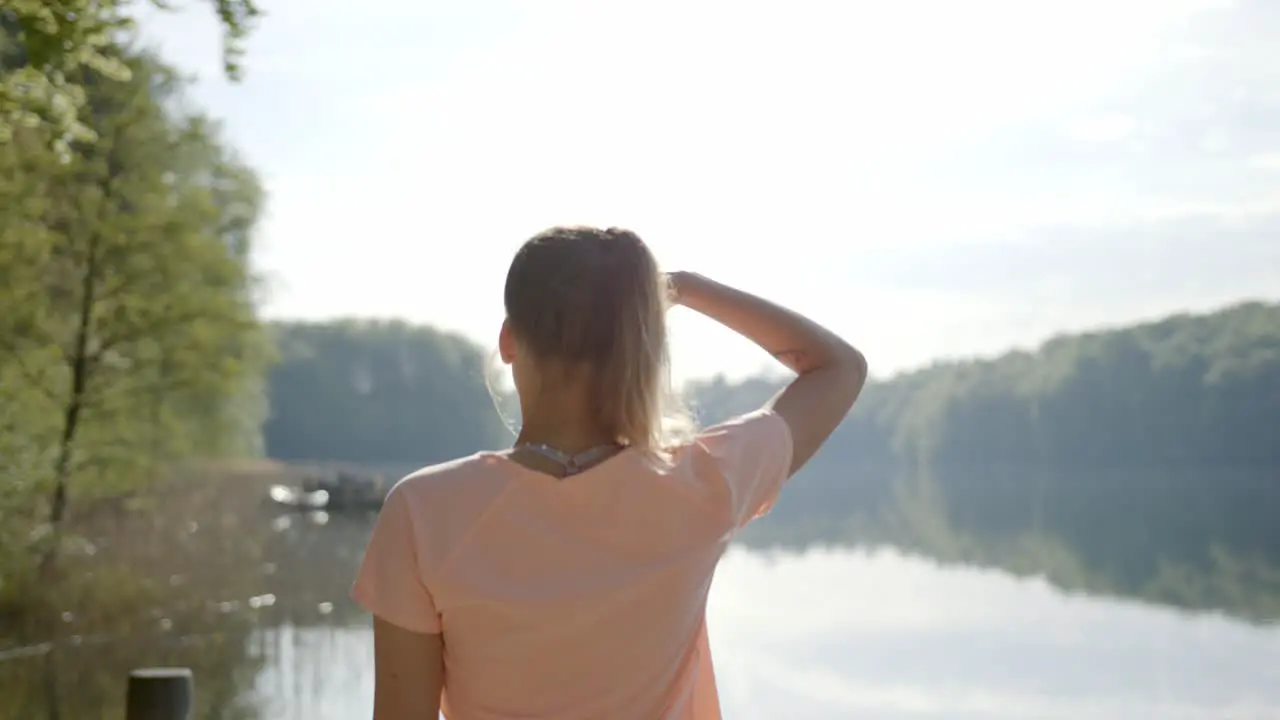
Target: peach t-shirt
x=583, y=597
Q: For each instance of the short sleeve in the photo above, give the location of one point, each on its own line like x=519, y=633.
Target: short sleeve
x=753, y=455
x=389, y=583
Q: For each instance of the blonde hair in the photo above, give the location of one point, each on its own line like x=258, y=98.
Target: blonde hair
x=594, y=301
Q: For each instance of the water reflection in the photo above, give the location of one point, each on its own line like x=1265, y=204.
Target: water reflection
x=1197, y=539
x=878, y=634
x=191, y=576
x=928, y=595
x=320, y=673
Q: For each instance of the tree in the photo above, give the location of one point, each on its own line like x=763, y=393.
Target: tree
x=47, y=45
x=129, y=337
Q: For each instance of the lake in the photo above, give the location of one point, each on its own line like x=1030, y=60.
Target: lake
x=909, y=597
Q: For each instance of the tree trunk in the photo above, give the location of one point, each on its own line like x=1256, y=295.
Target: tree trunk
x=80, y=369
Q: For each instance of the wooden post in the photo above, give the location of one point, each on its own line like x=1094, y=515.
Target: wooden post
x=160, y=694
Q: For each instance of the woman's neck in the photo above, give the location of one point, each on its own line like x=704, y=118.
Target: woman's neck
x=565, y=438
x=567, y=429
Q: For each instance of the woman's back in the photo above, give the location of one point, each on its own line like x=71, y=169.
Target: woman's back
x=517, y=586
x=576, y=597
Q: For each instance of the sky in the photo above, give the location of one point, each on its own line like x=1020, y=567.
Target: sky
x=930, y=179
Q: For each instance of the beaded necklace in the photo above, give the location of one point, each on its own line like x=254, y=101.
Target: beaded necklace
x=573, y=464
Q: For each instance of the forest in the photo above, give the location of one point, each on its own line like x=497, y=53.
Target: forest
x=1188, y=390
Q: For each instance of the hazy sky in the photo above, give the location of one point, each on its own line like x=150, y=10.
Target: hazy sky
x=931, y=179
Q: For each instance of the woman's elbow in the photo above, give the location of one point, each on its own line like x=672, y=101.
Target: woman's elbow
x=853, y=365
x=853, y=373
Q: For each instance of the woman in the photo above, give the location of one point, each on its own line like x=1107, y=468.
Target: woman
x=568, y=576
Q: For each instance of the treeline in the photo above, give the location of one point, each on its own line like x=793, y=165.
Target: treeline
x=1190, y=389
x=377, y=393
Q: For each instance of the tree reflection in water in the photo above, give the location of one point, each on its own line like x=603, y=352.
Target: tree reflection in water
x=1202, y=539
x=200, y=574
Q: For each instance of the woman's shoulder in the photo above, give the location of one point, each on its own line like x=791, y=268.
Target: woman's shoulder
x=747, y=458
x=745, y=430
x=464, y=475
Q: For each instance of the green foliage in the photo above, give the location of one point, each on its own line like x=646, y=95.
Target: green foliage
x=128, y=341
x=129, y=337
x=1187, y=389
x=1200, y=389
x=48, y=48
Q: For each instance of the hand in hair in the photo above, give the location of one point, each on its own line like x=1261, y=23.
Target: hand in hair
x=672, y=281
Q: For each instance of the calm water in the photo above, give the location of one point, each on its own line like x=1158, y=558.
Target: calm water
x=914, y=597
x=843, y=633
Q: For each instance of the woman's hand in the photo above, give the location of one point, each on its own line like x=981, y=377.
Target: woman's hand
x=682, y=286
x=673, y=287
